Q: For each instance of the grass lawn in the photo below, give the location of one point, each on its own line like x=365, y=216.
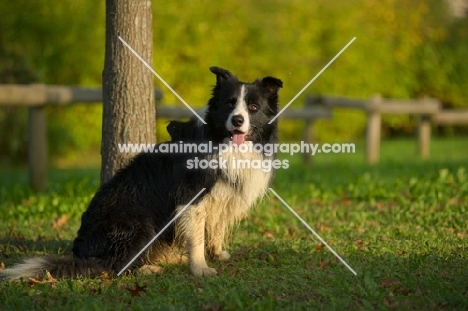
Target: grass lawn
x=402, y=225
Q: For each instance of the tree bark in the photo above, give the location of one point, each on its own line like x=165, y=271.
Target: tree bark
x=128, y=91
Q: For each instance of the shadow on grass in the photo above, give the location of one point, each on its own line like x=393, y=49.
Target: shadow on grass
x=280, y=275
x=14, y=247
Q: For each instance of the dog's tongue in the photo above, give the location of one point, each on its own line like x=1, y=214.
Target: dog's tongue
x=238, y=138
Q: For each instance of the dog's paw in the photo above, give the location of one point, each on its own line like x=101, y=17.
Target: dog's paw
x=184, y=259
x=204, y=271
x=223, y=256
x=150, y=269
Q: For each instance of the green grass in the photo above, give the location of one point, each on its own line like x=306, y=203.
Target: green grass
x=401, y=224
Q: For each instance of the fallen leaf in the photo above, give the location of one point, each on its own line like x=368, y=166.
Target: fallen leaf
x=360, y=230
x=359, y=244
x=60, y=222
x=268, y=234
x=444, y=274
x=387, y=283
x=280, y=297
x=209, y=307
x=48, y=279
x=324, y=228
x=403, y=291
x=346, y=202
x=450, y=230
x=122, y=285
x=291, y=232
x=389, y=301
x=453, y=200
x=197, y=288
x=315, y=201
x=324, y=264
x=103, y=275
x=320, y=246
x=93, y=291
x=442, y=305
x=138, y=289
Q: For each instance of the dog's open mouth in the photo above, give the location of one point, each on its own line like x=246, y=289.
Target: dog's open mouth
x=238, y=137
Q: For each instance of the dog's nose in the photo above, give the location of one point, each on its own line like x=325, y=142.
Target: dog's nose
x=237, y=121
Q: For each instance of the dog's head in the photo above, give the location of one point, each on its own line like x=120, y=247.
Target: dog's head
x=241, y=111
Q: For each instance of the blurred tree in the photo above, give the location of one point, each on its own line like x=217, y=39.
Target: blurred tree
x=128, y=92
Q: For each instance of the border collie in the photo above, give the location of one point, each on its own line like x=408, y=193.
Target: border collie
x=132, y=207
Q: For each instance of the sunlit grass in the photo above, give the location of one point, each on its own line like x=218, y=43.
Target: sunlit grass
x=400, y=224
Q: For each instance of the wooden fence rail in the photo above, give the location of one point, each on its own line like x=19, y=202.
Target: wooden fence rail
x=428, y=110
x=451, y=117
x=37, y=96
x=40, y=94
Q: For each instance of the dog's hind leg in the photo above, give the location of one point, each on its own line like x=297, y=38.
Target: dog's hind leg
x=192, y=224
x=150, y=269
x=162, y=253
x=173, y=255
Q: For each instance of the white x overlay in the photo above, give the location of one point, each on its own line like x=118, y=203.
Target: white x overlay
x=161, y=79
x=162, y=230
x=310, y=82
x=274, y=192
x=313, y=231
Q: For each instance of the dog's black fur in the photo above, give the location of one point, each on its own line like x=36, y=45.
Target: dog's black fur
x=132, y=207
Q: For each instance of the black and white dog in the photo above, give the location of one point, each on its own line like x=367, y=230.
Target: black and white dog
x=130, y=209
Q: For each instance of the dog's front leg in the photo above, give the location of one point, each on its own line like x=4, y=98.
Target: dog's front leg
x=194, y=229
x=215, y=230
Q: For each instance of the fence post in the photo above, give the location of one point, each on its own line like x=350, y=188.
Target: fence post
x=37, y=148
x=374, y=121
x=424, y=136
x=309, y=138
x=309, y=135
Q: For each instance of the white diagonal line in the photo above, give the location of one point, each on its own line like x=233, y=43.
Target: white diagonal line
x=160, y=232
x=161, y=79
x=313, y=79
x=312, y=230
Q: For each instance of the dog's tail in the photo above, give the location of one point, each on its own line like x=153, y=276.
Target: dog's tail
x=57, y=266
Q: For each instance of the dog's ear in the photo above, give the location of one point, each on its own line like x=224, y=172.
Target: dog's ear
x=176, y=130
x=222, y=74
x=272, y=85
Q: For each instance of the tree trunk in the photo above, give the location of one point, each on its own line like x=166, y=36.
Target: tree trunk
x=128, y=91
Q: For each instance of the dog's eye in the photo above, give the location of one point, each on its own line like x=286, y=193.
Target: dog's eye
x=252, y=107
x=232, y=102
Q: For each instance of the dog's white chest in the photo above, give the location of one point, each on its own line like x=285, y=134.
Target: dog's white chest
x=244, y=181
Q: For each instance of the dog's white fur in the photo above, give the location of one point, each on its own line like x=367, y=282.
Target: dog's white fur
x=30, y=266
x=210, y=220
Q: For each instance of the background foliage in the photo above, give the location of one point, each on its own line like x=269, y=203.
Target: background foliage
x=404, y=49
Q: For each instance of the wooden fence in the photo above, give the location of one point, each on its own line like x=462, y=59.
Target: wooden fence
x=427, y=109
x=37, y=96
